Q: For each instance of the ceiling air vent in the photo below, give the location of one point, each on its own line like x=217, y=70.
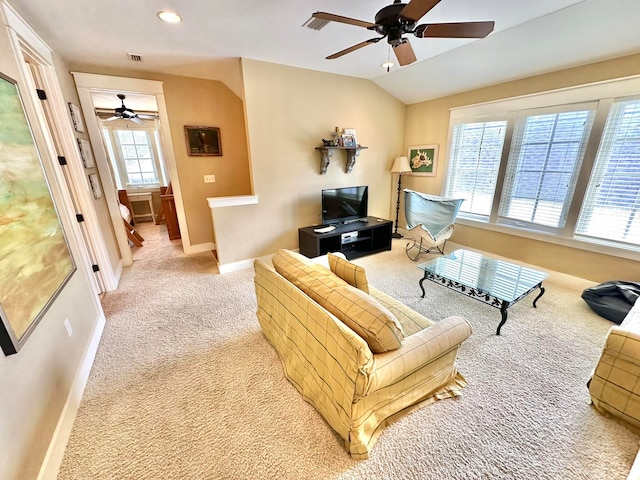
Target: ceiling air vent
x=134, y=57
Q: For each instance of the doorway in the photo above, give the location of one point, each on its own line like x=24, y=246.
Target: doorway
x=91, y=89
x=132, y=138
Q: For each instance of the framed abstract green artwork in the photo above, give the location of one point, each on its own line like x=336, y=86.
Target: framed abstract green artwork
x=35, y=261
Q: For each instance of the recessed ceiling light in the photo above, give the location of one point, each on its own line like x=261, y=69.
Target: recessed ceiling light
x=169, y=17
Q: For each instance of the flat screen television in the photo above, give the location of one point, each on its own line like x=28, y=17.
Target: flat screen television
x=342, y=205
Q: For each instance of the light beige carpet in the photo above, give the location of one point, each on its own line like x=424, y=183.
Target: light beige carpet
x=156, y=243
x=185, y=386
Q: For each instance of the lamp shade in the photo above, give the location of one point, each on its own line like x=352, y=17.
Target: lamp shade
x=400, y=165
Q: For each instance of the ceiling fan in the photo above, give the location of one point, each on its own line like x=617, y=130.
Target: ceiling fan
x=398, y=19
x=125, y=113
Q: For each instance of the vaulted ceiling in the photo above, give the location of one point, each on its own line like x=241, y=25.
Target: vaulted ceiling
x=530, y=37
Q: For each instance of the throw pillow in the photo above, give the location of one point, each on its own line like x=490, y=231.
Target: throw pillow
x=301, y=271
x=364, y=315
x=351, y=273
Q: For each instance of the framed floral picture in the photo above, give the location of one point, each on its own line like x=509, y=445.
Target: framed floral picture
x=423, y=160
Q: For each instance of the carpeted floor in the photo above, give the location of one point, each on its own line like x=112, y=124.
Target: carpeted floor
x=185, y=386
x=156, y=243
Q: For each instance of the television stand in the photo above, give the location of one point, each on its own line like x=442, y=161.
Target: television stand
x=371, y=235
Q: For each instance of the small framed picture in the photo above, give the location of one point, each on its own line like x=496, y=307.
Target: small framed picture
x=95, y=185
x=203, y=141
x=352, y=132
x=86, y=154
x=76, y=118
x=349, y=141
x=423, y=160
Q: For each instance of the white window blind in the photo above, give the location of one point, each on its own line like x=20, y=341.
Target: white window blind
x=544, y=161
x=476, y=149
x=611, y=208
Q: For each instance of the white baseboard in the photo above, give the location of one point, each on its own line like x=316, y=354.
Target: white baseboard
x=235, y=266
x=634, y=474
x=243, y=264
x=58, y=444
x=199, y=248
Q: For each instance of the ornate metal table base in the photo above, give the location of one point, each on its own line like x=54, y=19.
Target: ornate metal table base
x=480, y=295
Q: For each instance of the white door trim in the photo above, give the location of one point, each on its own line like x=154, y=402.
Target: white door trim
x=26, y=41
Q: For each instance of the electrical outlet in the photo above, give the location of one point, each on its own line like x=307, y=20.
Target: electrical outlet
x=209, y=179
x=67, y=326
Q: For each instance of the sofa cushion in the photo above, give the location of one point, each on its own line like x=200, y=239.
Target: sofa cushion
x=303, y=272
x=365, y=316
x=358, y=310
x=349, y=272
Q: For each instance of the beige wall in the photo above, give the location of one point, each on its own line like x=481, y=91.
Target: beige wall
x=288, y=111
x=36, y=381
x=428, y=122
x=194, y=101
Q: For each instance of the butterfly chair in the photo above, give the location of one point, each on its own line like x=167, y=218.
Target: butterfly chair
x=430, y=218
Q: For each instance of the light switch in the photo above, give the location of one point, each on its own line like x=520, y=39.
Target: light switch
x=209, y=179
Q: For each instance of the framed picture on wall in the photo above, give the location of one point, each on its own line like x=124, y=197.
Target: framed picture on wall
x=203, y=141
x=76, y=118
x=35, y=260
x=85, y=152
x=423, y=160
x=95, y=185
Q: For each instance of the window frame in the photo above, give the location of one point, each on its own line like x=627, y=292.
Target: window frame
x=119, y=165
x=516, y=143
x=604, y=94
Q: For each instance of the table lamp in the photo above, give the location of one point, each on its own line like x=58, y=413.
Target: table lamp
x=400, y=166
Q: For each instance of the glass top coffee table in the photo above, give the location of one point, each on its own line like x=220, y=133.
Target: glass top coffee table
x=497, y=283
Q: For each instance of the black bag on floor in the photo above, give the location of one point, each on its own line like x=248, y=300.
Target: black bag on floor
x=612, y=300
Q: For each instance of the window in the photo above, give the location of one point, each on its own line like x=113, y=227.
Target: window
x=544, y=161
x=611, y=209
x=564, y=166
x=135, y=157
x=476, y=149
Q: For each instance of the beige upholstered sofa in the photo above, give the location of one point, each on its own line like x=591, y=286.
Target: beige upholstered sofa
x=615, y=383
x=356, y=390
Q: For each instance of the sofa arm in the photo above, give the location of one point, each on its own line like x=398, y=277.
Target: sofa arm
x=416, y=351
x=622, y=345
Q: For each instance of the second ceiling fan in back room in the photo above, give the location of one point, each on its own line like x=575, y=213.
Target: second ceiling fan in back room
x=398, y=19
x=125, y=113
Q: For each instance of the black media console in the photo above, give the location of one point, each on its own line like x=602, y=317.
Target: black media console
x=354, y=239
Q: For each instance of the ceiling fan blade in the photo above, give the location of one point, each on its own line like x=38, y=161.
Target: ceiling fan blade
x=354, y=47
x=416, y=9
x=115, y=117
x=404, y=53
x=339, y=18
x=455, y=30
x=136, y=119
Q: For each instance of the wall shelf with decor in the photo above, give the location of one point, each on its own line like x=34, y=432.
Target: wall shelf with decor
x=326, y=152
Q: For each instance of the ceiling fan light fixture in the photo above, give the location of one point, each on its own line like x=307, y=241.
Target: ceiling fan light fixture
x=388, y=65
x=169, y=17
